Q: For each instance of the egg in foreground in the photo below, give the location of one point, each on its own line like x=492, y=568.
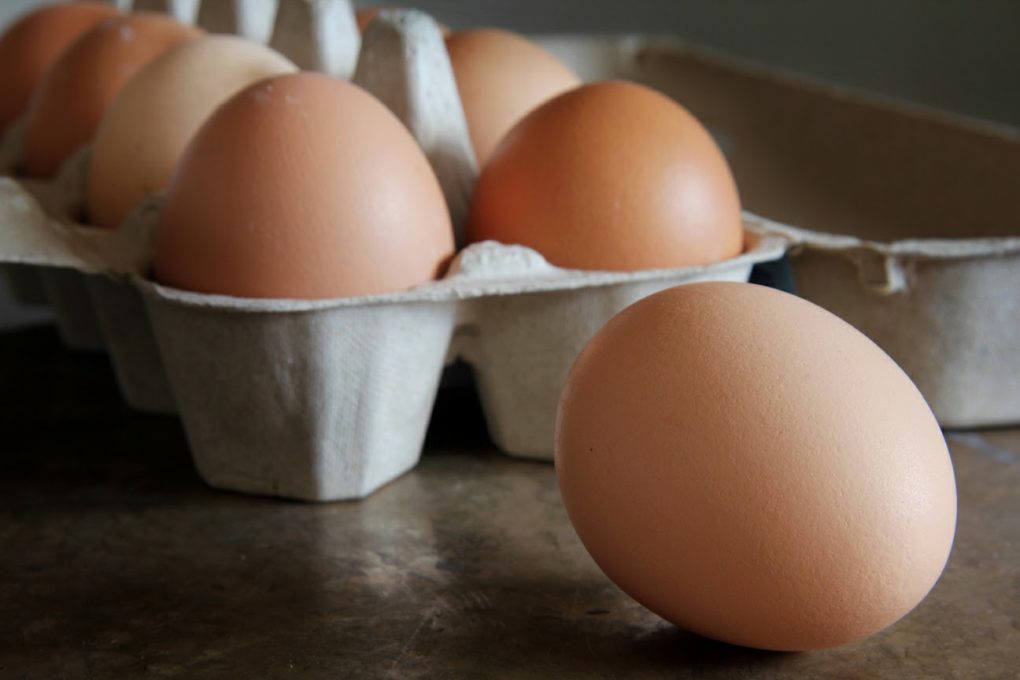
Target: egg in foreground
x=302, y=186
x=754, y=469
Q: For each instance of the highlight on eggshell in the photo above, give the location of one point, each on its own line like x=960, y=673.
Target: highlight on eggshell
x=142, y=136
x=33, y=42
x=610, y=176
x=302, y=186
x=501, y=76
x=754, y=469
x=69, y=102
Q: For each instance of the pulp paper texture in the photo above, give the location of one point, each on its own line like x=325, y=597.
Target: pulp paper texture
x=318, y=405
x=408, y=68
x=329, y=399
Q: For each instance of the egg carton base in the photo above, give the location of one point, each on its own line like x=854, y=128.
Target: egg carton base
x=322, y=405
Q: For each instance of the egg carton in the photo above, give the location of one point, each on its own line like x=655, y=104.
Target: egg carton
x=907, y=220
x=330, y=399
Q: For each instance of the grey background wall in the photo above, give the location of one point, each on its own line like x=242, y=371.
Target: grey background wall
x=959, y=55
x=962, y=55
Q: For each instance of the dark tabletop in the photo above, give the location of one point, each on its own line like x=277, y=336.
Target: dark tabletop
x=116, y=561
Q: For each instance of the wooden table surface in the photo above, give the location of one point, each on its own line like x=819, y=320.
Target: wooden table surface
x=116, y=561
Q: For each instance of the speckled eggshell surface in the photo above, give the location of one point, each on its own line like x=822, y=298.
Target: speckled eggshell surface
x=144, y=133
x=33, y=42
x=501, y=76
x=75, y=92
x=753, y=469
x=302, y=186
x=610, y=176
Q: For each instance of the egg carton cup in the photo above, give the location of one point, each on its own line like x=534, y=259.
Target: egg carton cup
x=324, y=403
x=902, y=220
x=330, y=399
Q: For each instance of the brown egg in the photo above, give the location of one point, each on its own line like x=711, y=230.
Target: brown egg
x=502, y=76
x=71, y=98
x=610, y=176
x=30, y=45
x=144, y=132
x=754, y=469
x=302, y=186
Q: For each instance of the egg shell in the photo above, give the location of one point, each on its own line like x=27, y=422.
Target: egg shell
x=610, y=176
x=31, y=44
x=501, y=77
x=754, y=469
x=142, y=136
x=302, y=186
x=75, y=92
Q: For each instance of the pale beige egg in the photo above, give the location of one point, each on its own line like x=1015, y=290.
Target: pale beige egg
x=144, y=133
x=502, y=76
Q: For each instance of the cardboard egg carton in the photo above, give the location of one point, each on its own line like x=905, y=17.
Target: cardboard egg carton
x=330, y=399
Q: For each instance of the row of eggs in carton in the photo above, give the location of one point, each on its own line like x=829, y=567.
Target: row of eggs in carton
x=325, y=397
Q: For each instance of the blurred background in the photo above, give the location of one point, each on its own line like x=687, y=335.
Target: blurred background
x=962, y=56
